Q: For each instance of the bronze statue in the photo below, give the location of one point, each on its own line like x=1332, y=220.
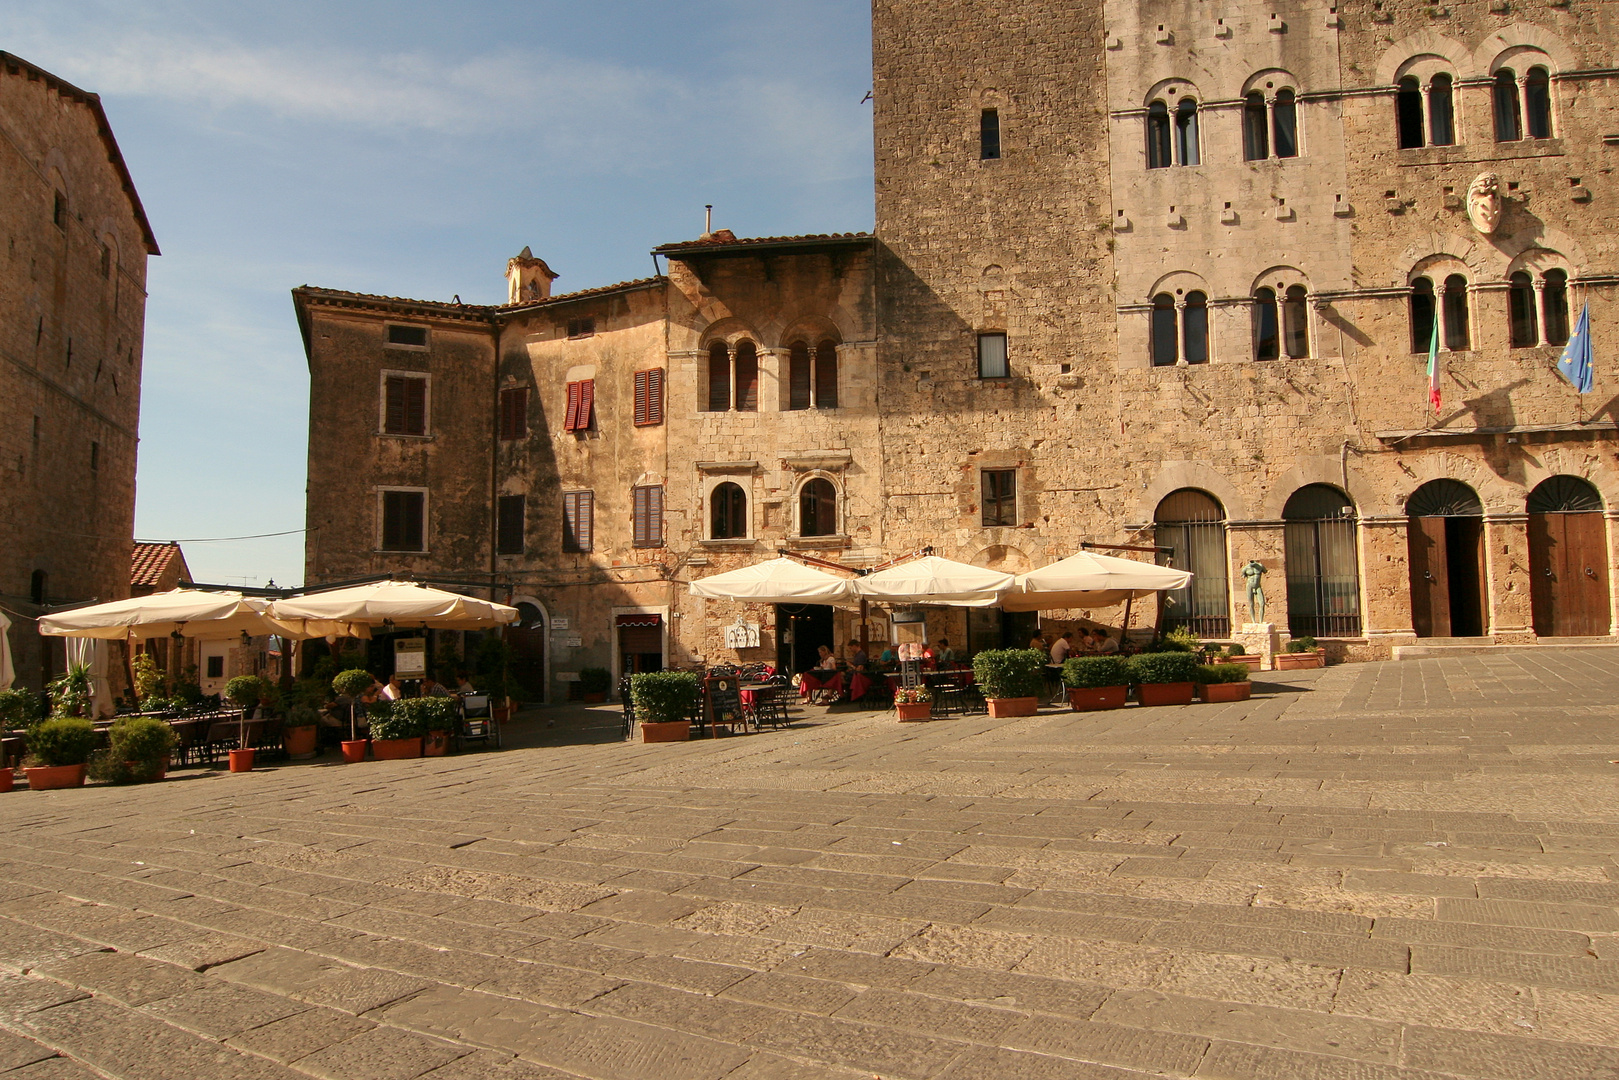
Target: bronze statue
x=1252, y=573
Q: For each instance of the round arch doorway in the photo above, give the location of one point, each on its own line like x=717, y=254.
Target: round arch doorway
x=1445, y=553
x=1568, y=559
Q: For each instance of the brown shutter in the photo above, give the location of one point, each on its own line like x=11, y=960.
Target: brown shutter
x=643, y=381
x=798, y=376
x=747, y=377
x=579, y=521
x=826, y=376
x=394, y=405
x=570, y=521
x=415, y=406
x=570, y=422
x=587, y=404
x=655, y=515
x=514, y=413
x=509, y=526
x=647, y=517
x=655, y=396
x=587, y=521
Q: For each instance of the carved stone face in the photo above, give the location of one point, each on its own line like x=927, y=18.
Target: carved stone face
x=1484, y=202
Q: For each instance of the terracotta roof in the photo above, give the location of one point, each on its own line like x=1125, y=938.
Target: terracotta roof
x=582, y=294
x=344, y=298
x=13, y=64
x=149, y=561
x=724, y=238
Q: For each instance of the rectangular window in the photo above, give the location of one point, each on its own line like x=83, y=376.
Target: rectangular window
x=405, y=405
x=581, y=327
x=402, y=520
x=1000, y=498
x=649, y=398
x=59, y=211
x=989, y=135
x=95, y=456
x=992, y=356
x=578, y=521
x=581, y=406
x=648, y=515
x=216, y=667
x=514, y=413
x=509, y=525
x=106, y=261
x=414, y=337
x=747, y=381
x=826, y=376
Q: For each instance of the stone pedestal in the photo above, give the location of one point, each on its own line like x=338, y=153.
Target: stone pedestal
x=1260, y=638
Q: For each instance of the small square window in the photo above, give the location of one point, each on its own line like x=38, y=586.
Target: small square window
x=404, y=410
x=411, y=337
x=216, y=667
x=581, y=327
x=514, y=413
x=992, y=356
x=404, y=516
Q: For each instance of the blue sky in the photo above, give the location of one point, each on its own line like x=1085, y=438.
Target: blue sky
x=410, y=149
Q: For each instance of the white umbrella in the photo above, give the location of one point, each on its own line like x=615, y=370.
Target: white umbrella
x=8, y=673
x=933, y=580
x=191, y=613
x=1091, y=581
x=779, y=581
x=403, y=604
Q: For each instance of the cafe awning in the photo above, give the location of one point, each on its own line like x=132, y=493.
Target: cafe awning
x=778, y=581
x=1086, y=580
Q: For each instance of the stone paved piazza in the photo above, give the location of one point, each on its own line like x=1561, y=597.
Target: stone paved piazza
x=1386, y=871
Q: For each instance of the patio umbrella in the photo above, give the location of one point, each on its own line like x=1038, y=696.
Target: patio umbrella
x=1091, y=581
x=7, y=672
x=934, y=580
x=402, y=604
x=191, y=613
x=779, y=581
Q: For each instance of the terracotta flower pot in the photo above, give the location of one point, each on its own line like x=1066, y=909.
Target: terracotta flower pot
x=1014, y=706
x=673, y=731
x=911, y=711
x=1226, y=691
x=135, y=770
x=595, y=699
x=241, y=760
x=396, y=749
x=436, y=744
x=299, y=742
x=1090, y=699
x=354, y=750
x=1169, y=693
x=1293, y=661
x=48, y=777
x=1251, y=661
x=7, y=778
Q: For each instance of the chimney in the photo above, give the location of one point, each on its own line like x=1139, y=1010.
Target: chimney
x=527, y=278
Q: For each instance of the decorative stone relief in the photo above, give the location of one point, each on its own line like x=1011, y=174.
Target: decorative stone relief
x=1484, y=202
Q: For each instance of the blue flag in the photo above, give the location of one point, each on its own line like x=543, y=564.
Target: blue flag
x=1575, y=363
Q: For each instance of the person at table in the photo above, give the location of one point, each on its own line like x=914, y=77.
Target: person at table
x=1058, y=654
x=945, y=655
x=886, y=659
x=1038, y=642
x=431, y=687
x=393, y=691
x=463, y=683
x=828, y=680
x=1103, y=645
x=857, y=655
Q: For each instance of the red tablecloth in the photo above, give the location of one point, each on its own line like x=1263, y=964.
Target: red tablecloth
x=809, y=683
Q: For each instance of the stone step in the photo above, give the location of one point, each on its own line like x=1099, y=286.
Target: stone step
x=1431, y=648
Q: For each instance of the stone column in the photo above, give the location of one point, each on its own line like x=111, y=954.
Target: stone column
x=1540, y=310
x=1506, y=569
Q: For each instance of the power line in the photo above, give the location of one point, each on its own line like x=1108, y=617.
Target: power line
x=222, y=539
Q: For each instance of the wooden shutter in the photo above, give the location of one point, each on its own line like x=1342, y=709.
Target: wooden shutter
x=643, y=393
x=415, y=406
x=514, y=413
x=393, y=421
x=509, y=525
x=826, y=376
x=655, y=396
x=747, y=377
x=587, y=405
x=402, y=521
x=647, y=524
x=578, y=521
x=798, y=376
x=570, y=421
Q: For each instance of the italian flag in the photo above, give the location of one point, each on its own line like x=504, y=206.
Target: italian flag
x=1433, y=365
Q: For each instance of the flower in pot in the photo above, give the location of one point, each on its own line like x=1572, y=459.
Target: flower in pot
x=300, y=730
x=1096, y=682
x=1223, y=682
x=913, y=703
x=1164, y=678
x=138, y=748
x=396, y=732
x=665, y=702
x=593, y=684
x=1011, y=680
x=58, y=750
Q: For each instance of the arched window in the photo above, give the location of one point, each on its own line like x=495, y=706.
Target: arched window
x=1191, y=524
x=1158, y=151
x=747, y=377
x=1285, y=124
x=1441, y=111
x=1508, y=117
x=1537, y=103
x=1521, y=311
x=1267, y=329
x=1408, y=110
x=798, y=376
x=1164, y=343
x=826, y=375
x=1458, y=337
x=1195, y=328
x=728, y=512
x=1423, y=326
x=719, y=377
x=1323, y=571
x=1255, y=129
x=1186, y=151
x=818, y=508
x=1554, y=298
x=1296, y=321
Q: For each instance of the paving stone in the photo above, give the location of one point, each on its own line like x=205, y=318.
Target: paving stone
x=467, y=1016
x=931, y=1015
x=611, y=1049
x=1577, y=973
x=222, y=1010
x=1291, y=1028
x=1578, y=917
x=1476, y=936
x=1334, y=949
x=1110, y=1044
x=880, y=1049
x=54, y=1068
x=1506, y=1058
x=281, y=971
x=23, y=948
x=381, y=1054
x=359, y=990
x=123, y=977
x=300, y=1034
x=485, y=1065
x=17, y=1052
x=206, y=951
x=30, y=993
x=695, y=1014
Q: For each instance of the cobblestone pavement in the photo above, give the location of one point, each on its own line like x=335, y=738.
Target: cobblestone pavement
x=1378, y=872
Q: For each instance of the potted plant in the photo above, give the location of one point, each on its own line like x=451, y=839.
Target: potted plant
x=593, y=684
x=18, y=709
x=1236, y=654
x=299, y=732
x=1096, y=682
x=1164, y=678
x=1223, y=682
x=1302, y=652
x=149, y=677
x=913, y=703
x=664, y=703
x=139, y=747
x=71, y=691
x=396, y=733
x=58, y=750
x=1011, y=680
x=351, y=684
x=244, y=692
x=439, y=715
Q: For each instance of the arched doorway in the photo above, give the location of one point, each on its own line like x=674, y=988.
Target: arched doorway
x=527, y=640
x=1445, y=547
x=1191, y=524
x=1568, y=559
x=1323, y=569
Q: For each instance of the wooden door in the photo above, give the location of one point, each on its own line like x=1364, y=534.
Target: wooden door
x=1568, y=567
x=1430, y=576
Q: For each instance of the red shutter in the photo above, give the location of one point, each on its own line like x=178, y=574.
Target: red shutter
x=643, y=389
x=655, y=396
x=571, y=421
x=415, y=406
x=514, y=413
x=587, y=405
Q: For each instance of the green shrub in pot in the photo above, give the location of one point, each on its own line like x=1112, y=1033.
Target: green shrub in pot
x=1301, y=644
x=403, y=719
x=1221, y=673
x=1095, y=672
x=139, y=747
x=62, y=740
x=1010, y=673
x=18, y=708
x=352, y=683
x=1163, y=667
x=245, y=691
x=664, y=697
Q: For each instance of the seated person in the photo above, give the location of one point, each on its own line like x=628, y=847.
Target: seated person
x=393, y=691
x=431, y=687
x=829, y=680
x=858, y=657
x=945, y=654
x=463, y=683
x=887, y=658
x=1104, y=645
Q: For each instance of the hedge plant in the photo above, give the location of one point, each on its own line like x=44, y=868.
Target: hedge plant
x=665, y=697
x=1010, y=673
x=1221, y=673
x=137, y=748
x=62, y=740
x=595, y=680
x=18, y=708
x=418, y=716
x=1095, y=672
x=1301, y=644
x=1163, y=667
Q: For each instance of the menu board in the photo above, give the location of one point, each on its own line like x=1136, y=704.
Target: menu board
x=410, y=657
x=724, y=700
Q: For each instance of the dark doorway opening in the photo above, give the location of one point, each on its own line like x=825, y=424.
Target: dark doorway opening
x=801, y=630
x=527, y=642
x=640, y=643
x=992, y=628
x=1445, y=549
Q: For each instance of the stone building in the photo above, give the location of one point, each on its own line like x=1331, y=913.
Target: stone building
x=72, y=315
x=1144, y=273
